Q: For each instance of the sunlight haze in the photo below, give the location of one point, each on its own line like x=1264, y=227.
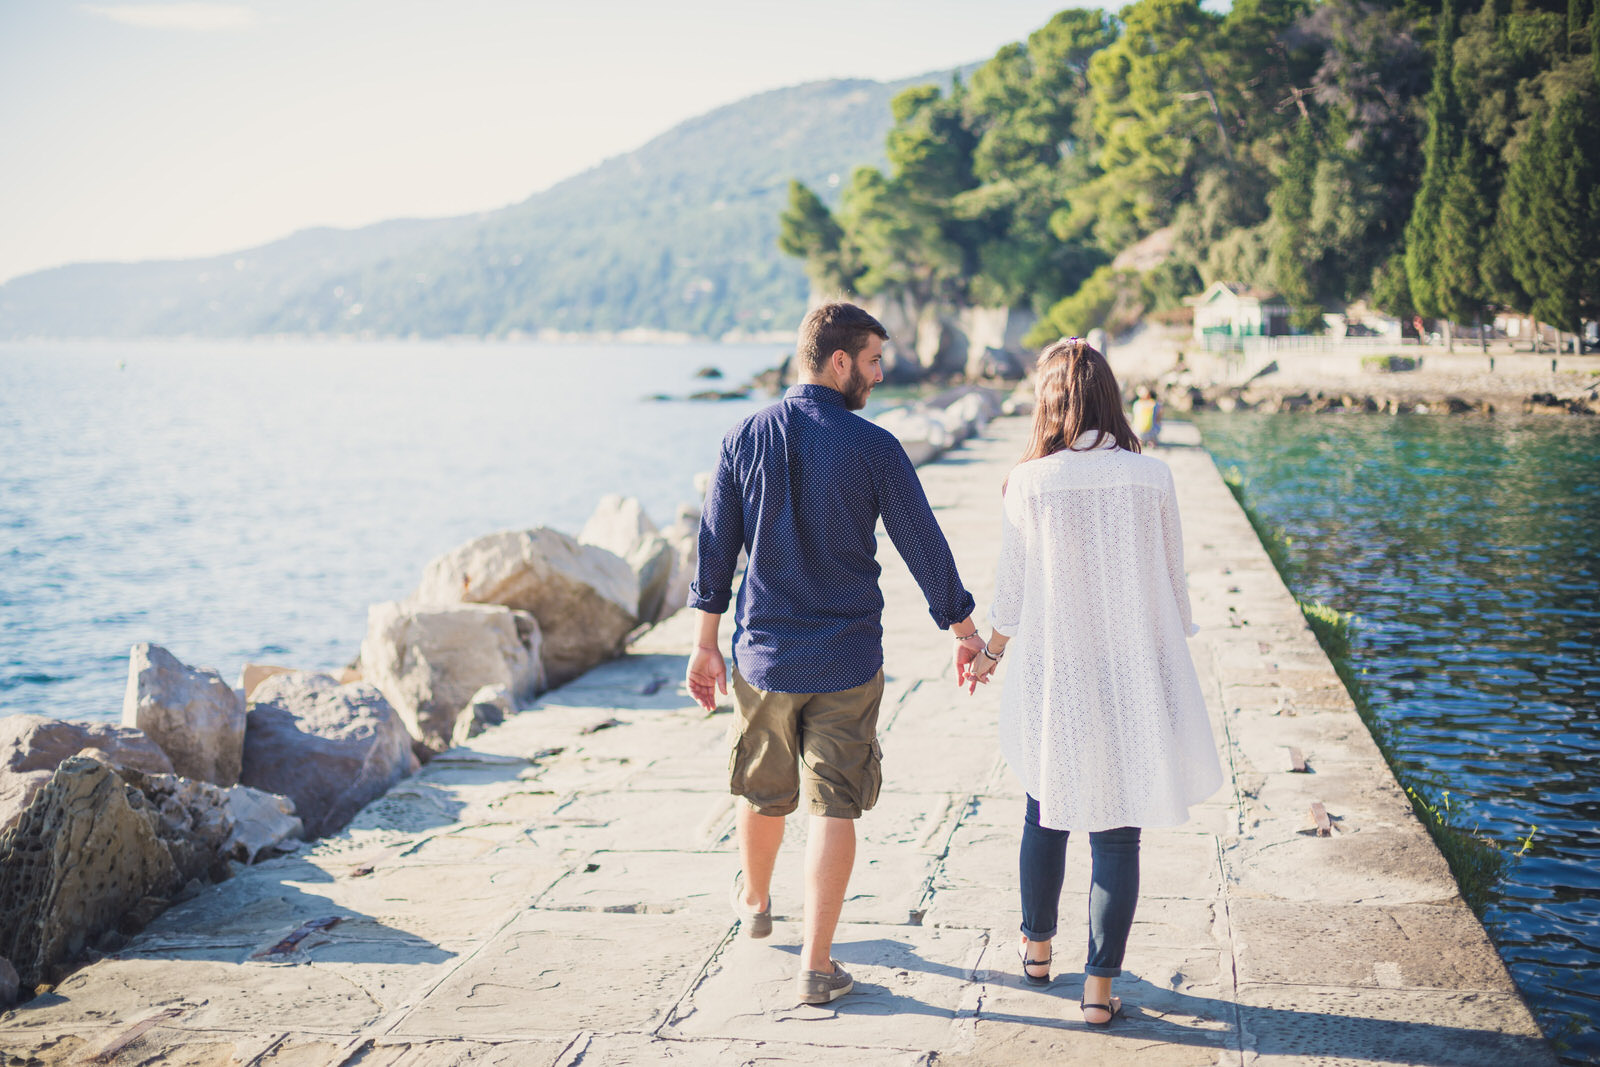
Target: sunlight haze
x=158, y=130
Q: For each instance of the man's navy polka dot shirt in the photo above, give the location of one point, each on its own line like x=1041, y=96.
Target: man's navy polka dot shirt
x=800, y=486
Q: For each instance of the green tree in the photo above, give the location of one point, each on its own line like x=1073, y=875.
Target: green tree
x=808, y=230
x=1157, y=121
x=908, y=236
x=1439, y=152
x=1551, y=212
x=1466, y=219
x=1027, y=108
x=1293, y=266
x=1390, y=289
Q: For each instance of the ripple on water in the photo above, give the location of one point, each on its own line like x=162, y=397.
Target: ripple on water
x=1470, y=552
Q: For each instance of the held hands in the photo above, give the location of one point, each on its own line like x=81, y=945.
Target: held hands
x=981, y=671
x=967, y=649
x=706, y=675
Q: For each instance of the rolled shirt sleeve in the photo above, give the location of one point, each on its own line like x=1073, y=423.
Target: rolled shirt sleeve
x=720, y=539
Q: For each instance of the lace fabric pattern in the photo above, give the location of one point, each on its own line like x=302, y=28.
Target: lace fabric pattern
x=1101, y=713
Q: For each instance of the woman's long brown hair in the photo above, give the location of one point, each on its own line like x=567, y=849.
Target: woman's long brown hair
x=1076, y=392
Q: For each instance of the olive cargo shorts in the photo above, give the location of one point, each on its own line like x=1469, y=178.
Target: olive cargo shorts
x=827, y=740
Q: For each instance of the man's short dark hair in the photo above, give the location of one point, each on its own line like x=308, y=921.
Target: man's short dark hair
x=831, y=327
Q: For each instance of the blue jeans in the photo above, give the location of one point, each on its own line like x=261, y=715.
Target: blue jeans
x=1113, y=888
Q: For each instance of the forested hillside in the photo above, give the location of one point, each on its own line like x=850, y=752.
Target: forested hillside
x=678, y=235
x=1441, y=159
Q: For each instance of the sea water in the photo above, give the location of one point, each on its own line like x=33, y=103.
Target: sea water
x=1468, y=548
x=247, y=501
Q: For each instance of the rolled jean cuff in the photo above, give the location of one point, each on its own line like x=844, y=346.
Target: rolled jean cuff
x=1031, y=936
x=1103, y=972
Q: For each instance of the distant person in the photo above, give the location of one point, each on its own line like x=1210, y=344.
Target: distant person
x=800, y=486
x=1102, y=717
x=1147, y=417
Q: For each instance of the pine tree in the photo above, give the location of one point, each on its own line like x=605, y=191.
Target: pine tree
x=808, y=230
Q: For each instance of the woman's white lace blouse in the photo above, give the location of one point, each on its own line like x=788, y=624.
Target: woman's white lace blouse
x=1101, y=716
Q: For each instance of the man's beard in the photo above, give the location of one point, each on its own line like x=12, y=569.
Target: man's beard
x=857, y=389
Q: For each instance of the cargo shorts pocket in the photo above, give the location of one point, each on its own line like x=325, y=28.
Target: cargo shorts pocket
x=738, y=766
x=872, y=778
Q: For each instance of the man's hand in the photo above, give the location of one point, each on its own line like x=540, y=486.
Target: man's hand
x=967, y=649
x=706, y=675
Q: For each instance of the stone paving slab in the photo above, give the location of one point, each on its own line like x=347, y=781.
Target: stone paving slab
x=554, y=892
x=910, y=983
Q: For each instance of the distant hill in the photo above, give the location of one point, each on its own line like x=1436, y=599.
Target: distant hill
x=678, y=235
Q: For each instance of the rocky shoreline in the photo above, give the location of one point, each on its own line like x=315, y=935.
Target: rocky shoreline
x=1326, y=377
x=103, y=827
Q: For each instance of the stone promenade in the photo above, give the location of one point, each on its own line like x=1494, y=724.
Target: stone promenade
x=557, y=892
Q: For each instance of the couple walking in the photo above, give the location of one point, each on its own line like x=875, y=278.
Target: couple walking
x=1101, y=716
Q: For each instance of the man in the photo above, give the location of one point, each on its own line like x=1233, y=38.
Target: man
x=800, y=487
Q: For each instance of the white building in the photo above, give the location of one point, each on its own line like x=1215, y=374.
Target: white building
x=1229, y=309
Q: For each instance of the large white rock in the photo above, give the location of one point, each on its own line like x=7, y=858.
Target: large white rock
x=653, y=561
x=619, y=525
x=923, y=435
x=429, y=661
x=585, y=598
x=33, y=746
x=684, y=537
x=968, y=414
x=330, y=748
x=196, y=717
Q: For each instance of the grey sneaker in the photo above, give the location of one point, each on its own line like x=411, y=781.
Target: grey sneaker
x=754, y=924
x=820, y=987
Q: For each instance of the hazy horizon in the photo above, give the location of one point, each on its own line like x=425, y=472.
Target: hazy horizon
x=152, y=131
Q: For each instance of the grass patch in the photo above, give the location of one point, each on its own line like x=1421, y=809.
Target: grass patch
x=1389, y=364
x=1477, y=863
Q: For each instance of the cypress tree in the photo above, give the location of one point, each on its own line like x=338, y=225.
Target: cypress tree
x=1439, y=155
x=1291, y=215
x=1465, y=218
x=1551, y=209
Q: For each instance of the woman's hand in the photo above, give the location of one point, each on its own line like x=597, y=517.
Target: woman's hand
x=979, y=672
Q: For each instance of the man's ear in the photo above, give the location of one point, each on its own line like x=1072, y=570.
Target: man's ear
x=841, y=362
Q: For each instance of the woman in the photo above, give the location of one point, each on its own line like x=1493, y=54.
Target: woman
x=1101, y=716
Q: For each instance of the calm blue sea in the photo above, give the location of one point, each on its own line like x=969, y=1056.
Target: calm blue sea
x=248, y=501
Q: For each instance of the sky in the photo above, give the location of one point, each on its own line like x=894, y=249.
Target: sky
x=139, y=130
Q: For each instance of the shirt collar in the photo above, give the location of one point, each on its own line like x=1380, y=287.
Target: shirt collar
x=1085, y=439
x=815, y=392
